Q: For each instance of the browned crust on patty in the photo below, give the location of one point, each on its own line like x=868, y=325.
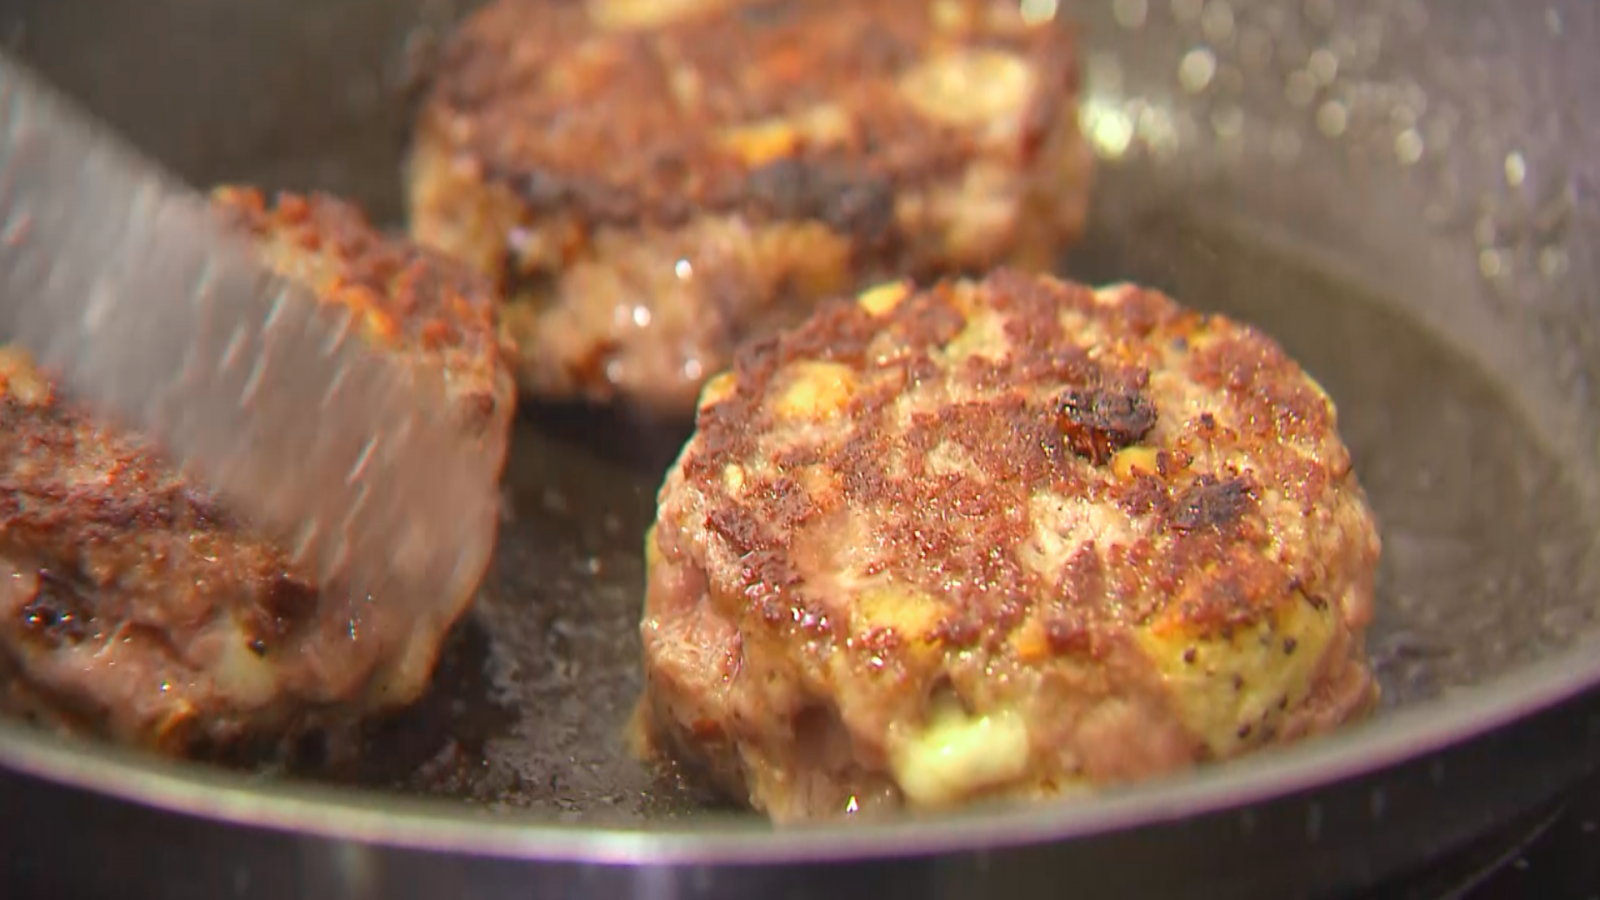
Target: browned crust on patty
x=970, y=472
x=651, y=197
x=949, y=526
x=139, y=607
x=413, y=300
x=613, y=140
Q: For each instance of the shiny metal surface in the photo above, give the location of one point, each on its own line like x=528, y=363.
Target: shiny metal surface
x=1434, y=154
x=1435, y=148
x=119, y=277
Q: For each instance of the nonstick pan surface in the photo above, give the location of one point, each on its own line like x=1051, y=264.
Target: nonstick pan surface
x=1400, y=191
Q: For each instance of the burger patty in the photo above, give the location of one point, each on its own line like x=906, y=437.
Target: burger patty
x=1009, y=538
x=139, y=608
x=655, y=181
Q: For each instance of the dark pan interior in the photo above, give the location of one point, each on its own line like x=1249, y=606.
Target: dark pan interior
x=1466, y=450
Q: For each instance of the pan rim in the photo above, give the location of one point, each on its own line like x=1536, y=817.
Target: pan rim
x=374, y=818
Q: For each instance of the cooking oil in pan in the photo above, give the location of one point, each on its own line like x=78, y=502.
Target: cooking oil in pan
x=1482, y=548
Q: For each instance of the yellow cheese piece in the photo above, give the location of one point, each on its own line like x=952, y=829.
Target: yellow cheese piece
x=985, y=336
x=957, y=755
x=912, y=613
x=881, y=299
x=717, y=388
x=1226, y=690
x=816, y=390
x=765, y=140
x=968, y=87
x=652, y=550
x=1132, y=460
x=762, y=142
x=631, y=15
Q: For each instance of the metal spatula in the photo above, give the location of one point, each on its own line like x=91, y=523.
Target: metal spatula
x=128, y=290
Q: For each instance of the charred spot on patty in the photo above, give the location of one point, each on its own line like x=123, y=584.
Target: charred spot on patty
x=1098, y=421
x=859, y=204
x=1210, y=503
x=57, y=613
x=966, y=491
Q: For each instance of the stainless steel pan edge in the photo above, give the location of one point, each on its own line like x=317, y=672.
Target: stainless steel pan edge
x=1198, y=839
x=1436, y=147
x=1497, y=201
x=339, y=813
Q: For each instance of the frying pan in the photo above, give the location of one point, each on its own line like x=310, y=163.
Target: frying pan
x=1403, y=192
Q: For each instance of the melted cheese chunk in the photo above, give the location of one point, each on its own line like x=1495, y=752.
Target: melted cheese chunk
x=816, y=390
x=652, y=549
x=985, y=336
x=912, y=613
x=1227, y=690
x=718, y=388
x=883, y=298
x=968, y=87
x=240, y=672
x=19, y=379
x=957, y=755
x=1130, y=461
x=761, y=142
x=633, y=15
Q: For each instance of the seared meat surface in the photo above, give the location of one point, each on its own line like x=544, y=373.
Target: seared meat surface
x=654, y=181
x=135, y=606
x=1006, y=538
